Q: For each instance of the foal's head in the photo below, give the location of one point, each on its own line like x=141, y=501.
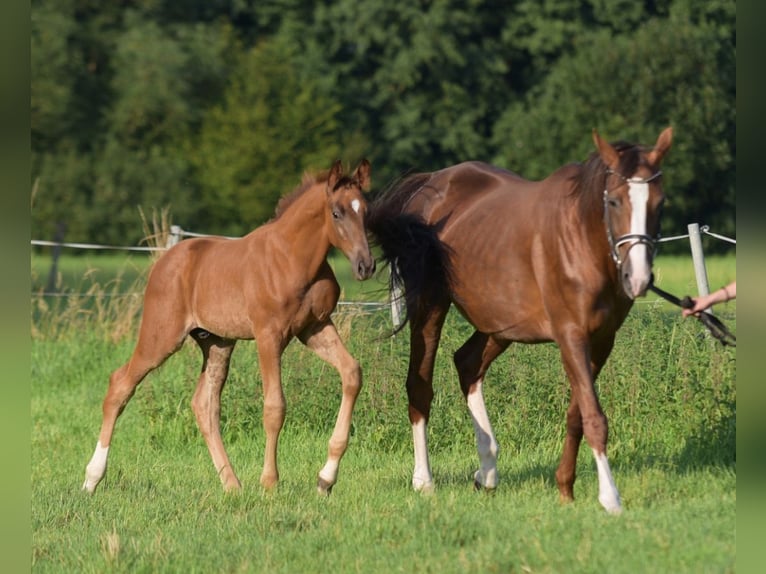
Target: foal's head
x=633, y=201
x=346, y=211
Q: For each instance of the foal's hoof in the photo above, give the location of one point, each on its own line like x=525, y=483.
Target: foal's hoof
x=323, y=487
x=479, y=487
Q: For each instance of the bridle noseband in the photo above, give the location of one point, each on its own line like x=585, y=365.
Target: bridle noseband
x=632, y=238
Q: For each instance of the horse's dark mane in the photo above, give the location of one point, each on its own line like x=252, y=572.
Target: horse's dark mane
x=391, y=200
x=591, y=180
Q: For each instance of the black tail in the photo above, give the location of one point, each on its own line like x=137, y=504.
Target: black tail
x=411, y=248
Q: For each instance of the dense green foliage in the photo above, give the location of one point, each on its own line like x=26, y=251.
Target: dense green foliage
x=214, y=109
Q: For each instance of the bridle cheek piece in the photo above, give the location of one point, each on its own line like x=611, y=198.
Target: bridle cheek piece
x=632, y=239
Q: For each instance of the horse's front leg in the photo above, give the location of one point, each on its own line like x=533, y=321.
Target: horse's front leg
x=324, y=340
x=566, y=472
x=575, y=354
x=269, y=356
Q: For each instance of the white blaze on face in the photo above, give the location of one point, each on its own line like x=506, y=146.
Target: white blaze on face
x=355, y=205
x=638, y=192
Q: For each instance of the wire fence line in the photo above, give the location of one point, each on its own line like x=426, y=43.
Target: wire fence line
x=177, y=234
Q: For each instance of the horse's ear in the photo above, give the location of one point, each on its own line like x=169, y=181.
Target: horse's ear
x=336, y=172
x=362, y=174
x=661, y=147
x=608, y=154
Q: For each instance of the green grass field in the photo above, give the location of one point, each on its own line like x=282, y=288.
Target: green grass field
x=668, y=389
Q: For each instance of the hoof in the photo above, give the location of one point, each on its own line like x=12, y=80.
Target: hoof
x=478, y=487
x=423, y=487
x=324, y=487
x=232, y=487
x=614, y=511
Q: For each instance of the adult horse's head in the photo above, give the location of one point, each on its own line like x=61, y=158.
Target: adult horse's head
x=633, y=201
x=346, y=213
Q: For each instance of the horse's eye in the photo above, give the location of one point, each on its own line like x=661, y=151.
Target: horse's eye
x=336, y=214
x=614, y=202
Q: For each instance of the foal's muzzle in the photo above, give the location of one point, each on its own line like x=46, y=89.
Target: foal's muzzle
x=363, y=267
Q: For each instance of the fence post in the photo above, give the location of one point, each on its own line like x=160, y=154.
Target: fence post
x=175, y=235
x=396, y=300
x=58, y=237
x=695, y=241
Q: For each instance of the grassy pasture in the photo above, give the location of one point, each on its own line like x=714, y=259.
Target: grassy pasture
x=669, y=391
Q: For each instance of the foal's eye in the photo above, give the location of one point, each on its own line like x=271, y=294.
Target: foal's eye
x=336, y=214
x=614, y=202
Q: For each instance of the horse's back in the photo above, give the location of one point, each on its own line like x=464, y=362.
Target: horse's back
x=499, y=227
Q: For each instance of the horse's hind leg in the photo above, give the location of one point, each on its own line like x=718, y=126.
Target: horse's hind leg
x=324, y=340
x=472, y=361
x=425, y=333
x=206, y=403
x=153, y=347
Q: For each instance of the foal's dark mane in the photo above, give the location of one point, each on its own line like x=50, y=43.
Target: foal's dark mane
x=308, y=180
x=591, y=179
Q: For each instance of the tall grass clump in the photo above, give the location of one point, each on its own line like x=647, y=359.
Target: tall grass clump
x=96, y=303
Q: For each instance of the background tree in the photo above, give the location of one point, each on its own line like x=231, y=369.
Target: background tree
x=214, y=108
x=667, y=72
x=253, y=147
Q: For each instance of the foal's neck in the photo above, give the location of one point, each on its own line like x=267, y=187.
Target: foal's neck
x=302, y=228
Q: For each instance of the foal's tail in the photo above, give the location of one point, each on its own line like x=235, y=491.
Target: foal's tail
x=418, y=260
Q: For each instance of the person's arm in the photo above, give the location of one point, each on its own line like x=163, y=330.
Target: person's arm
x=725, y=293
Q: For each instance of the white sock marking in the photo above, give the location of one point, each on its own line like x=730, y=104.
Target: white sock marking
x=607, y=490
x=486, y=444
x=96, y=468
x=421, y=476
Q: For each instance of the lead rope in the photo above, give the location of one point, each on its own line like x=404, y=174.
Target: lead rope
x=714, y=324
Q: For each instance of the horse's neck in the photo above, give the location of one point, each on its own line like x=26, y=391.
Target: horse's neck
x=585, y=232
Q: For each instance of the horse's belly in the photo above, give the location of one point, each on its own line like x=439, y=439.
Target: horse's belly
x=496, y=288
x=498, y=316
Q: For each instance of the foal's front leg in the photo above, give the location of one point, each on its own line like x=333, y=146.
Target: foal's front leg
x=270, y=355
x=324, y=340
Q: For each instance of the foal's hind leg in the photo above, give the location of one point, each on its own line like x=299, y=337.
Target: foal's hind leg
x=153, y=347
x=216, y=354
x=323, y=339
x=472, y=361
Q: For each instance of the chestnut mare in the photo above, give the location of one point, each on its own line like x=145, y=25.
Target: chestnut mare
x=271, y=285
x=558, y=260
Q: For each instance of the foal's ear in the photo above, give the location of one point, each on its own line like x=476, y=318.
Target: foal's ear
x=362, y=174
x=608, y=154
x=661, y=147
x=336, y=172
